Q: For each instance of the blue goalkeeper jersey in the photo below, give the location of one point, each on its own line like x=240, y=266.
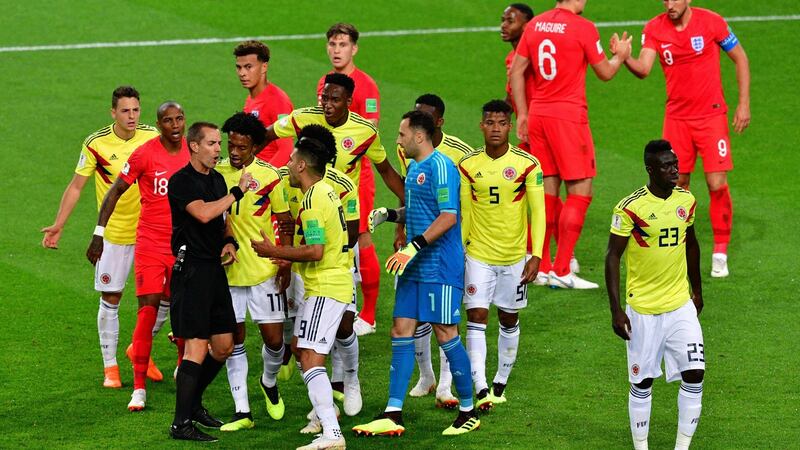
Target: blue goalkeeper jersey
x=432, y=187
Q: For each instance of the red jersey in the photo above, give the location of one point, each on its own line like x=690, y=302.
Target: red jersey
x=559, y=45
x=529, y=86
x=269, y=106
x=151, y=166
x=366, y=98
x=690, y=59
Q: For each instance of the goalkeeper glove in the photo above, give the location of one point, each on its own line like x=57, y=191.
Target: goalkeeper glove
x=380, y=215
x=397, y=263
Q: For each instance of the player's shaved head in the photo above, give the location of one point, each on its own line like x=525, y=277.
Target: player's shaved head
x=432, y=100
x=653, y=148
x=162, y=109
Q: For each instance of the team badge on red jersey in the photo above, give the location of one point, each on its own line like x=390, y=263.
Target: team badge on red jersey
x=254, y=113
x=421, y=178
x=635, y=369
x=681, y=212
x=348, y=143
x=509, y=173
x=471, y=289
x=698, y=43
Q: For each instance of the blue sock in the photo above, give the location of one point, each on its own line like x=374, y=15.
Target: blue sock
x=460, y=368
x=400, y=371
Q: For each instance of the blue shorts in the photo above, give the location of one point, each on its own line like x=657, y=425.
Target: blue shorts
x=428, y=302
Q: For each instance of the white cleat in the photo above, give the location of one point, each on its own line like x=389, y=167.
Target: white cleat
x=541, y=279
x=445, y=399
x=574, y=266
x=352, y=396
x=361, y=327
x=138, y=399
x=423, y=388
x=719, y=265
x=322, y=442
x=570, y=281
x=314, y=426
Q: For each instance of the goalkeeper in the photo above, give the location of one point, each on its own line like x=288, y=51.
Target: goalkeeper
x=430, y=268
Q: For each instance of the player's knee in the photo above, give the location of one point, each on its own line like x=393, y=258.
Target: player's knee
x=273, y=342
x=478, y=315
x=647, y=383
x=345, y=329
x=445, y=333
x=507, y=319
x=222, y=351
x=693, y=376
x=240, y=334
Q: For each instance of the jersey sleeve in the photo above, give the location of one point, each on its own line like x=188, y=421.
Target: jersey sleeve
x=134, y=166
x=87, y=163
x=376, y=153
x=277, y=197
x=313, y=226
x=466, y=202
x=289, y=126
x=690, y=216
x=534, y=194
x=523, y=48
x=447, y=185
x=401, y=158
x=723, y=35
x=648, y=40
x=182, y=191
x=350, y=203
x=372, y=100
x=621, y=222
x=590, y=41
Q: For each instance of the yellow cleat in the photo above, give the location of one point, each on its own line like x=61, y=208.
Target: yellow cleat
x=338, y=396
x=485, y=403
x=382, y=426
x=240, y=421
x=498, y=400
x=464, y=423
x=287, y=370
x=111, y=377
x=275, y=410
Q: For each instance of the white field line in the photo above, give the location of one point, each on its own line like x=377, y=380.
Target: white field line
x=314, y=36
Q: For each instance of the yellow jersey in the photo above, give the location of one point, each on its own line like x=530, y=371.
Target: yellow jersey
x=322, y=222
x=499, y=198
x=655, y=256
x=103, y=154
x=355, y=139
x=451, y=146
x=251, y=214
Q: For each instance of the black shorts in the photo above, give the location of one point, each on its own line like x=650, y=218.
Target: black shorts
x=201, y=301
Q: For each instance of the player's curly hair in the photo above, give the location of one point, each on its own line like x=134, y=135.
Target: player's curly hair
x=253, y=47
x=342, y=80
x=497, y=106
x=433, y=101
x=324, y=136
x=246, y=125
x=655, y=147
x=524, y=9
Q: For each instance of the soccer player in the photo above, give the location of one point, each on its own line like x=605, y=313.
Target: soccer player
x=454, y=149
x=654, y=227
x=149, y=166
x=256, y=284
x=686, y=41
x=502, y=204
x=512, y=24
x=328, y=282
x=202, y=312
x=342, y=47
x=266, y=101
x=431, y=275
x=558, y=44
x=103, y=155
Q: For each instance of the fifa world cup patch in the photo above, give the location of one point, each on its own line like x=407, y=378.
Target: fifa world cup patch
x=314, y=234
x=616, y=221
x=81, y=161
x=351, y=206
x=372, y=105
x=539, y=178
x=126, y=168
x=443, y=195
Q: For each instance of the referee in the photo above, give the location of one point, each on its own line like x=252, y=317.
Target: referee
x=202, y=312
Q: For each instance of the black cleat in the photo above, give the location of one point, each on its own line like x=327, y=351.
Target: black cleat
x=188, y=432
x=203, y=418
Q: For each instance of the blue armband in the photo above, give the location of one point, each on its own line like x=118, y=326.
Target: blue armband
x=729, y=42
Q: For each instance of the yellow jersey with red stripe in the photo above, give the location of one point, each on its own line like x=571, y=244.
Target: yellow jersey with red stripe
x=451, y=146
x=103, y=154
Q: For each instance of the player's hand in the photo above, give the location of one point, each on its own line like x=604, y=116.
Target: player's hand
x=621, y=324
x=741, y=119
x=286, y=227
x=397, y=263
x=284, y=275
x=52, y=235
x=522, y=127
x=623, y=47
x=612, y=43
x=244, y=180
x=228, y=255
x=698, y=303
x=399, y=236
x=263, y=248
x=95, y=250
x=376, y=217
x=530, y=270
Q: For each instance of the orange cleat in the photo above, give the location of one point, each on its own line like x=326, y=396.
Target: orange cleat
x=153, y=374
x=111, y=379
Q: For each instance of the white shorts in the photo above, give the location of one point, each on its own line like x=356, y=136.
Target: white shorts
x=499, y=285
x=675, y=337
x=264, y=301
x=317, y=321
x=356, y=264
x=112, y=270
x=294, y=294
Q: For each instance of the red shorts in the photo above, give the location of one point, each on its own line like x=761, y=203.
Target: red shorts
x=564, y=148
x=153, y=272
x=707, y=137
x=366, y=195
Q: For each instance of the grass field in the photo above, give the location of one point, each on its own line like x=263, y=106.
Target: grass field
x=569, y=388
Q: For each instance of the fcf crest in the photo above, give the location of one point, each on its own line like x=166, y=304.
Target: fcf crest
x=509, y=173
x=348, y=143
x=698, y=43
x=421, y=178
x=681, y=213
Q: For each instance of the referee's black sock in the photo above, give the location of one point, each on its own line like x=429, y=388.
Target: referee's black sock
x=208, y=371
x=185, y=386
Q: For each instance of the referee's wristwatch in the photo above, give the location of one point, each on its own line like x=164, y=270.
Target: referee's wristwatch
x=232, y=240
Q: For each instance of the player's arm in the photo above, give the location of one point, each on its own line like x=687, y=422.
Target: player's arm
x=95, y=250
x=517, y=80
x=466, y=205
x=741, y=119
x=302, y=253
x=69, y=199
x=605, y=69
x=205, y=212
x=693, y=267
x=619, y=320
x=286, y=235
x=642, y=65
x=534, y=195
x=392, y=179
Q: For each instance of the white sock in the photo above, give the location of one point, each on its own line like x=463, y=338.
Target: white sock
x=640, y=402
x=690, y=399
x=348, y=352
x=422, y=352
x=237, y=378
x=321, y=396
x=337, y=364
x=272, y=364
x=476, y=348
x=445, y=377
x=108, y=330
x=288, y=331
x=163, y=313
x=507, y=345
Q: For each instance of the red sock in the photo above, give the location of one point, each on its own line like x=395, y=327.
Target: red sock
x=370, y=282
x=569, y=230
x=142, y=344
x=551, y=210
x=720, y=209
x=559, y=206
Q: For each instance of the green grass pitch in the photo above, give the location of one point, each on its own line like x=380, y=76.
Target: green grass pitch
x=569, y=388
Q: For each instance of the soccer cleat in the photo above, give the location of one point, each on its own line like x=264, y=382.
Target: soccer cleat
x=287, y=370
x=203, y=418
x=541, y=279
x=445, y=399
x=188, y=432
x=465, y=422
x=338, y=396
x=138, y=399
x=322, y=442
x=570, y=281
x=352, y=396
x=276, y=408
x=153, y=374
x=423, y=388
x=497, y=393
x=574, y=266
x=719, y=265
x=362, y=327
x=239, y=421
x=314, y=426
x=383, y=425
x=484, y=402
x=111, y=377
